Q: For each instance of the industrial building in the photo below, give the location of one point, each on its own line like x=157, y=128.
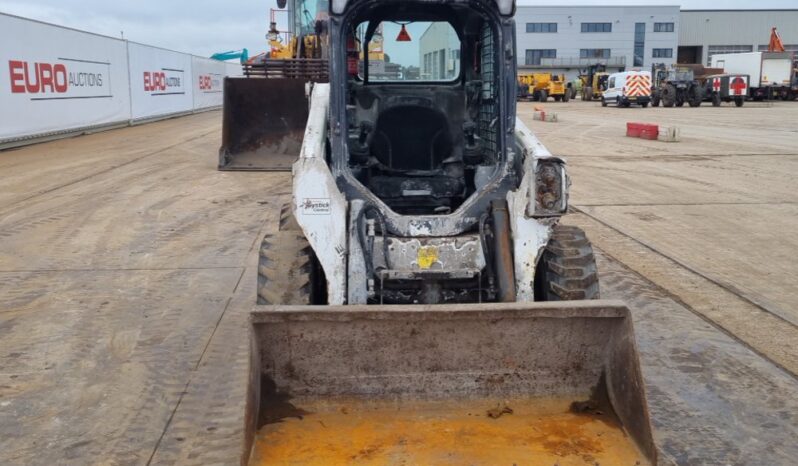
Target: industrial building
x=703, y=33
x=439, y=52
x=564, y=39
x=568, y=38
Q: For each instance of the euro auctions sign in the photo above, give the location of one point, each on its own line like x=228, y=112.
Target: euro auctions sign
x=210, y=83
x=63, y=78
x=165, y=81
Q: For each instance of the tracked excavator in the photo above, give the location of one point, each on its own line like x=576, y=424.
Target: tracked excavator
x=420, y=301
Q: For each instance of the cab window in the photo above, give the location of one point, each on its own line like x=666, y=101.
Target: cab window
x=410, y=51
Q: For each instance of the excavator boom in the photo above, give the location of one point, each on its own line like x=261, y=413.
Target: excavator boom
x=775, y=44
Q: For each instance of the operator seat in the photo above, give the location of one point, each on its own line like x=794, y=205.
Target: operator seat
x=417, y=170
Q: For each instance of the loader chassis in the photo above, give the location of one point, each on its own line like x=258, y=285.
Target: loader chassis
x=427, y=192
x=417, y=188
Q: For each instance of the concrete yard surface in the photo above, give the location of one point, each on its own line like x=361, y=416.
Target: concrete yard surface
x=128, y=271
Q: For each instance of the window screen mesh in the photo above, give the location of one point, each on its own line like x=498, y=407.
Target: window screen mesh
x=487, y=108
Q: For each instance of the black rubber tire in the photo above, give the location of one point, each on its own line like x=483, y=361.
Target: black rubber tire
x=567, y=96
x=603, y=102
x=543, y=96
x=695, y=96
x=557, y=98
x=716, y=100
x=567, y=269
x=739, y=102
x=587, y=93
x=288, y=271
x=655, y=100
x=668, y=96
x=644, y=104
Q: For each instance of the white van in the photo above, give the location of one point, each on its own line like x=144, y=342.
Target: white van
x=627, y=88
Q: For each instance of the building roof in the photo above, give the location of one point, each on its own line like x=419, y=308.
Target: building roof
x=741, y=10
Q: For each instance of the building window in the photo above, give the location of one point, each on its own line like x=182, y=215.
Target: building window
x=663, y=27
x=533, y=57
x=596, y=27
x=787, y=47
x=541, y=27
x=716, y=49
x=663, y=53
x=594, y=53
x=640, y=43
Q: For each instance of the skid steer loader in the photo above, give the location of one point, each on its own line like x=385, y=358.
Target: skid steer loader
x=398, y=320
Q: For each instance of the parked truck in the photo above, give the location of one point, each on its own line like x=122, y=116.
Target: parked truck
x=627, y=88
x=726, y=88
x=771, y=73
x=540, y=86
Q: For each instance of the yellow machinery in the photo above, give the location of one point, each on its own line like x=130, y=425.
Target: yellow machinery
x=541, y=86
x=266, y=111
x=594, y=82
x=526, y=86
x=311, y=46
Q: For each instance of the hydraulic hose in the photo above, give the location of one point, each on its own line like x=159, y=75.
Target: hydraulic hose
x=368, y=247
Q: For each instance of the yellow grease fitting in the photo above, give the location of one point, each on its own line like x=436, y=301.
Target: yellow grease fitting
x=427, y=255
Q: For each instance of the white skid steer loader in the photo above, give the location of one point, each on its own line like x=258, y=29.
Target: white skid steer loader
x=421, y=273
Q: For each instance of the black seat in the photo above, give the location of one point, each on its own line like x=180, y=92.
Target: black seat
x=412, y=137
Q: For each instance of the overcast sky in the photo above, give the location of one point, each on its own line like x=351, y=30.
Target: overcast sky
x=204, y=27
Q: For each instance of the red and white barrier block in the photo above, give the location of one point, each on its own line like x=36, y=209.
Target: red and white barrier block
x=543, y=115
x=653, y=132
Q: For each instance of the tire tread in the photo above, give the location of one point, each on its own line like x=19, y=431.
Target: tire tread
x=567, y=268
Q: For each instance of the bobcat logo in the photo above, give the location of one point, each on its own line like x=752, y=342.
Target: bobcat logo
x=311, y=206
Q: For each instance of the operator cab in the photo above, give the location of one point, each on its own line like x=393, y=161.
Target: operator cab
x=422, y=103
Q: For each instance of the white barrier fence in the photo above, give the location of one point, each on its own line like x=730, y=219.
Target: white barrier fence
x=56, y=80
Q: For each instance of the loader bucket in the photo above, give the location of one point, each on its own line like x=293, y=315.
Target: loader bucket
x=479, y=384
x=263, y=123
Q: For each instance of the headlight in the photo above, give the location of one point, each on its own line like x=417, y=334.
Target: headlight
x=551, y=188
x=506, y=7
x=338, y=6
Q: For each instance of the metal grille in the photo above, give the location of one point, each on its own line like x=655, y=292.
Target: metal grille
x=313, y=69
x=487, y=108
